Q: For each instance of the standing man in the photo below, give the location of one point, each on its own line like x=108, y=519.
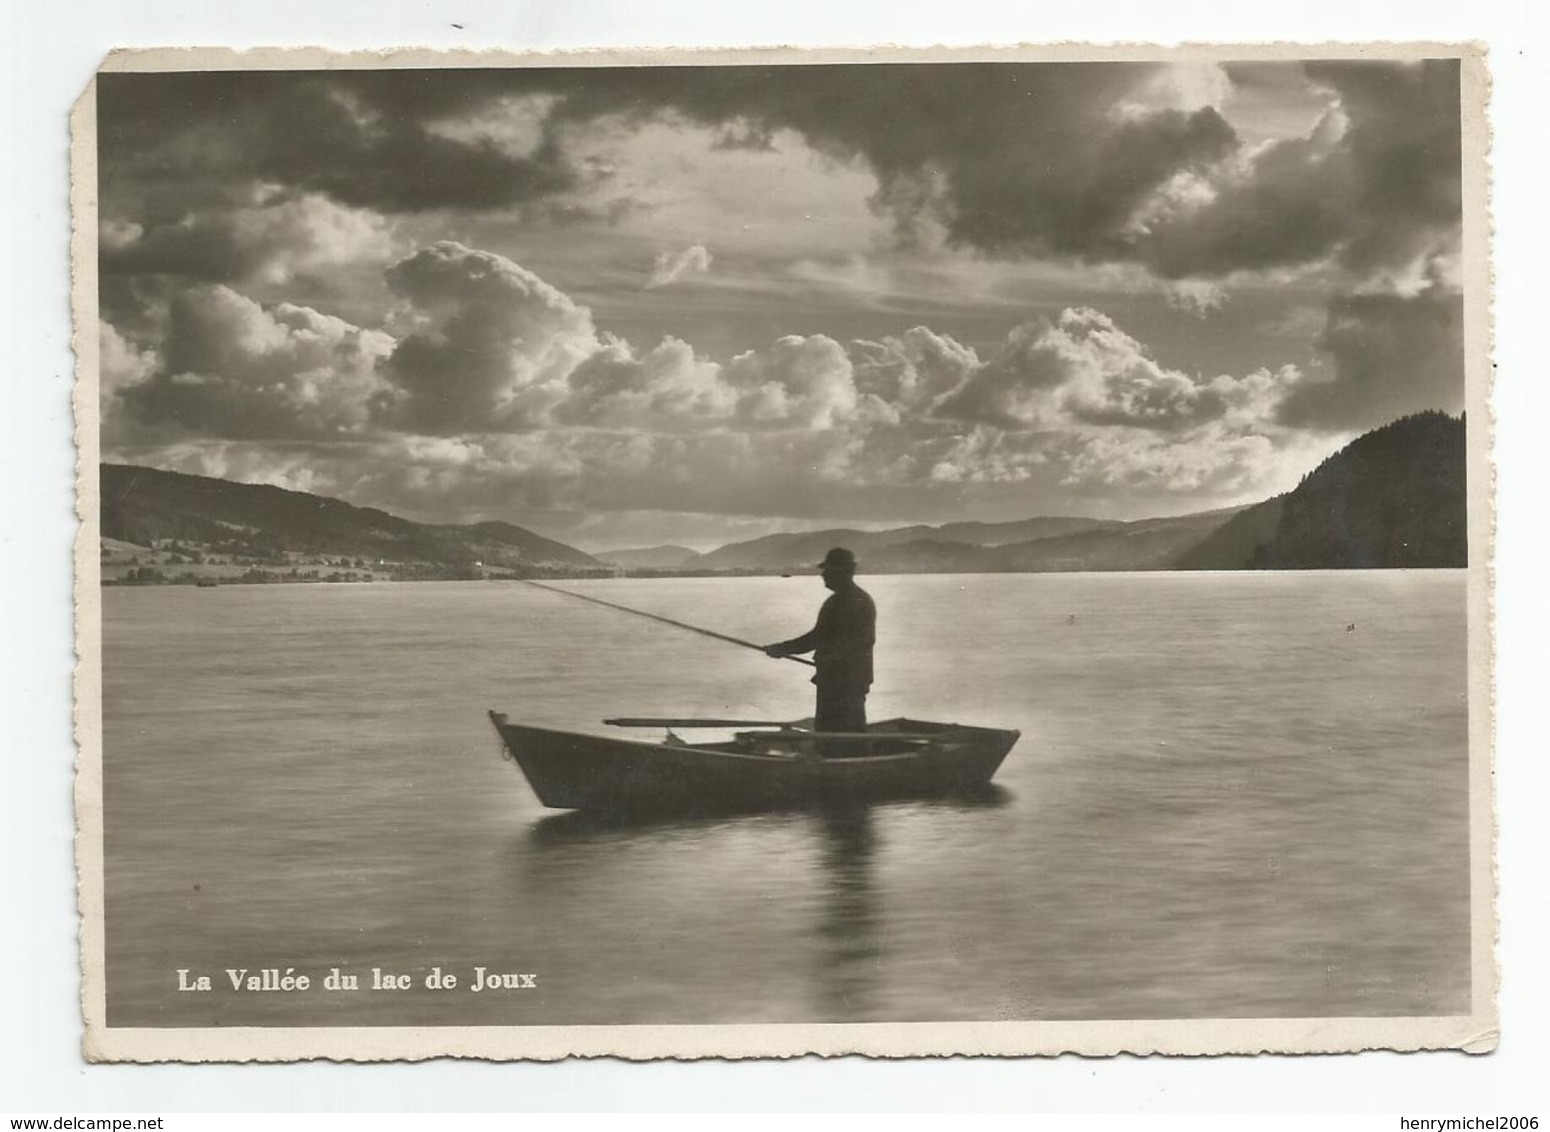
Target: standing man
x=841, y=644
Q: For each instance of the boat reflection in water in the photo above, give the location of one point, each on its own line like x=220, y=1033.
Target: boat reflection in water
x=849, y=915
x=789, y=908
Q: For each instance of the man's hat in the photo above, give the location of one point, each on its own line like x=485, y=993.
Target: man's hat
x=839, y=557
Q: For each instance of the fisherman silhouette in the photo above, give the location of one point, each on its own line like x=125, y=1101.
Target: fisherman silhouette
x=841, y=644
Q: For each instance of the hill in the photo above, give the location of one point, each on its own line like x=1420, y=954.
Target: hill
x=648, y=558
x=145, y=506
x=799, y=551
x=1232, y=546
x=1144, y=544
x=1394, y=498
x=1041, y=544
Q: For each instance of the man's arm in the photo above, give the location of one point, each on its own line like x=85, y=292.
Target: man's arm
x=807, y=642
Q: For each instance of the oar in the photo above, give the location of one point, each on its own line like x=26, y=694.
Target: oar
x=664, y=620
x=685, y=724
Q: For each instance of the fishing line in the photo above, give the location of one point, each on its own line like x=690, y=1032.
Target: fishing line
x=664, y=620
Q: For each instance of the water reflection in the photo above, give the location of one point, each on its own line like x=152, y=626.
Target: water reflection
x=571, y=827
x=795, y=895
x=851, y=951
x=1224, y=849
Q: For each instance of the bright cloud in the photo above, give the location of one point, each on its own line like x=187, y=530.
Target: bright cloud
x=670, y=267
x=1083, y=370
x=499, y=390
x=490, y=344
x=232, y=368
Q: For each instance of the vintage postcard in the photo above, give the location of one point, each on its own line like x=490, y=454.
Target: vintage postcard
x=767, y=553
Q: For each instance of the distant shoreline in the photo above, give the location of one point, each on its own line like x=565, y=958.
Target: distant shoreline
x=285, y=580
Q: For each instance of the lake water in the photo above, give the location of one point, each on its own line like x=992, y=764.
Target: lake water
x=1235, y=795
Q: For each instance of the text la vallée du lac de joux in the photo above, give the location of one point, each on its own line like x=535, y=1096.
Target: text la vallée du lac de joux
x=287, y=981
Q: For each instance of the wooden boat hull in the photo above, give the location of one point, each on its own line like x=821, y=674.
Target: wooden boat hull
x=762, y=770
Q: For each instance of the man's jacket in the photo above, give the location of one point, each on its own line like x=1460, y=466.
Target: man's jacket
x=841, y=642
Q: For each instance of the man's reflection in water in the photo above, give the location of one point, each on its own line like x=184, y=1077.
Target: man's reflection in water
x=815, y=952
x=848, y=923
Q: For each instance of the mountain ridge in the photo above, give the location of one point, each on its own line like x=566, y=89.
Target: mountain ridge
x=1395, y=497
x=668, y=557
x=144, y=506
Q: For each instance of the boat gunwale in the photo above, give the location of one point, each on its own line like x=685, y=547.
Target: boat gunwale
x=950, y=740
x=543, y=751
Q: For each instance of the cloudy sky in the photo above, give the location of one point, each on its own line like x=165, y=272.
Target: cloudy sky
x=633, y=306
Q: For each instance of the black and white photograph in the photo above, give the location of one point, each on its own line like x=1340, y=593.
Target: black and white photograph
x=779, y=552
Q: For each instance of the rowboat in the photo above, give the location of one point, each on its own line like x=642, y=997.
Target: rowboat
x=763, y=766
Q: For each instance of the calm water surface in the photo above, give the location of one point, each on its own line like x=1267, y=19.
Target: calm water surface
x=1236, y=795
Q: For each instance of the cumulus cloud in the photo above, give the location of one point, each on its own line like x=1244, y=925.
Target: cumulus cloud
x=802, y=382
x=492, y=392
x=668, y=389
x=913, y=369
x=121, y=363
x=230, y=367
x=482, y=346
x=1082, y=369
x=670, y=267
x=1080, y=395
x=491, y=346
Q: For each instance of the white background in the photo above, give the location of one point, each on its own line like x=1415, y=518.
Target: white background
x=50, y=50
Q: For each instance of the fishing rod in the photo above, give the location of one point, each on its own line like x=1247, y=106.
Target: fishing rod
x=664, y=620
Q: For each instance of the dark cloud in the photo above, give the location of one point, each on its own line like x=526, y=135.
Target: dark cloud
x=272, y=239
x=1375, y=187
x=968, y=144
x=1009, y=199
x=1009, y=159
x=1391, y=355
x=169, y=141
x=1292, y=208
x=1405, y=152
